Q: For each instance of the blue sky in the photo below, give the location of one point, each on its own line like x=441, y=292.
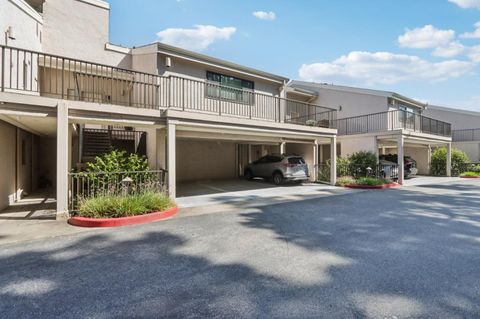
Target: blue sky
x=425, y=49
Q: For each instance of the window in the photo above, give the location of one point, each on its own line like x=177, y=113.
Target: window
x=229, y=88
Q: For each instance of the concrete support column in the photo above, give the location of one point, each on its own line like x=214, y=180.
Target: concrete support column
x=400, y=155
x=171, y=159
x=429, y=159
x=377, y=152
x=314, y=175
x=333, y=160
x=449, y=159
x=282, y=147
x=249, y=153
x=62, y=160
x=161, y=141
x=152, y=148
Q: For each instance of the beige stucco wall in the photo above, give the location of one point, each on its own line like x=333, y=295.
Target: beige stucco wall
x=458, y=119
x=26, y=22
x=205, y=160
x=352, y=103
x=350, y=145
x=24, y=163
x=79, y=29
x=7, y=160
x=472, y=149
x=196, y=71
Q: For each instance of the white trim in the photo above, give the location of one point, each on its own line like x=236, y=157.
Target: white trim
x=452, y=110
x=97, y=3
x=116, y=48
x=25, y=7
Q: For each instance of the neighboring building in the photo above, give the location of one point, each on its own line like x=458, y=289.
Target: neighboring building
x=465, y=128
x=381, y=122
x=67, y=95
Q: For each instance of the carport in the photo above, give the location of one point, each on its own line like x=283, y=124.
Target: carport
x=417, y=147
x=212, y=160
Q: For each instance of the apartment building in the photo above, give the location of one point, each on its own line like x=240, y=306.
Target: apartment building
x=382, y=122
x=67, y=95
x=465, y=128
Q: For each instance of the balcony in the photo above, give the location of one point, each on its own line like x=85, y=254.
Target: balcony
x=37, y=73
x=469, y=135
x=393, y=120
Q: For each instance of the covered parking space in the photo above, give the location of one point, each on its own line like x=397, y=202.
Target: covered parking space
x=416, y=146
x=211, y=159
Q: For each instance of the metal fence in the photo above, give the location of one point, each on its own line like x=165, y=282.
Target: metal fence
x=393, y=120
x=86, y=185
x=468, y=135
x=385, y=171
x=72, y=79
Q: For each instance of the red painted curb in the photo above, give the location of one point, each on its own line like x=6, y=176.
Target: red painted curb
x=384, y=186
x=121, y=221
x=470, y=177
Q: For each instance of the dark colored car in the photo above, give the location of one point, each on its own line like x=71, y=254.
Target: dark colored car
x=279, y=168
x=409, y=164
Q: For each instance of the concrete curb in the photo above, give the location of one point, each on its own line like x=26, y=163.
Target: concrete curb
x=384, y=186
x=122, y=221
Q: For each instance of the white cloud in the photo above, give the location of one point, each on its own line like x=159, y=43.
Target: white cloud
x=474, y=53
x=450, y=50
x=426, y=38
x=263, y=15
x=198, y=38
x=382, y=68
x=473, y=35
x=467, y=4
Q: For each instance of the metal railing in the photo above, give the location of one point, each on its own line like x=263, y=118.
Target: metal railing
x=381, y=171
x=86, y=185
x=468, y=135
x=99, y=141
x=393, y=120
x=72, y=79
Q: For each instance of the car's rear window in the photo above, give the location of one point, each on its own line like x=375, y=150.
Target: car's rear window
x=296, y=160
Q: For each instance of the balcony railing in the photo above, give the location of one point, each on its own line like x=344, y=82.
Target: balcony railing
x=469, y=135
x=393, y=120
x=71, y=79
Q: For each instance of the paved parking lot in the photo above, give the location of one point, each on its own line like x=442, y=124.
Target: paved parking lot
x=404, y=253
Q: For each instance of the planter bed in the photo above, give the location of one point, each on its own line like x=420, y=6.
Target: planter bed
x=384, y=186
x=122, y=221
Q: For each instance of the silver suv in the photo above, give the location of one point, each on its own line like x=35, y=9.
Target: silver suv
x=279, y=168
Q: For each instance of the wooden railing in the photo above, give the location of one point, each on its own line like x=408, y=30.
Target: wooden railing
x=72, y=79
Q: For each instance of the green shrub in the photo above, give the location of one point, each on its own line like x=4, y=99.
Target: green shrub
x=111, y=206
x=475, y=169
x=118, y=161
x=370, y=181
x=345, y=180
x=470, y=174
x=439, y=162
x=343, y=166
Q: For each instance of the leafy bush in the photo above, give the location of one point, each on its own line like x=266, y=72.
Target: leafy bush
x=360, y=161
x=370, y=181
x=470, y=174
x=345, y=180
x=343, y=166
x=118, y=161
x=439, y=162
x=111, y=206
x=475, y=169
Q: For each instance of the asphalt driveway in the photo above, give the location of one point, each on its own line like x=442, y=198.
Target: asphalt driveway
x=404, y=253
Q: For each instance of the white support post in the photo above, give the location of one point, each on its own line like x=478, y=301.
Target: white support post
x=62, y=160
x=161, y=148
x=377, y=151
x=400, y=155
x=314, y=176
x=333, y=160
x=282, y=147
x=449, y=159
x=171, y=159
x=429, y=158
x=249, y=153
x=283, y=103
